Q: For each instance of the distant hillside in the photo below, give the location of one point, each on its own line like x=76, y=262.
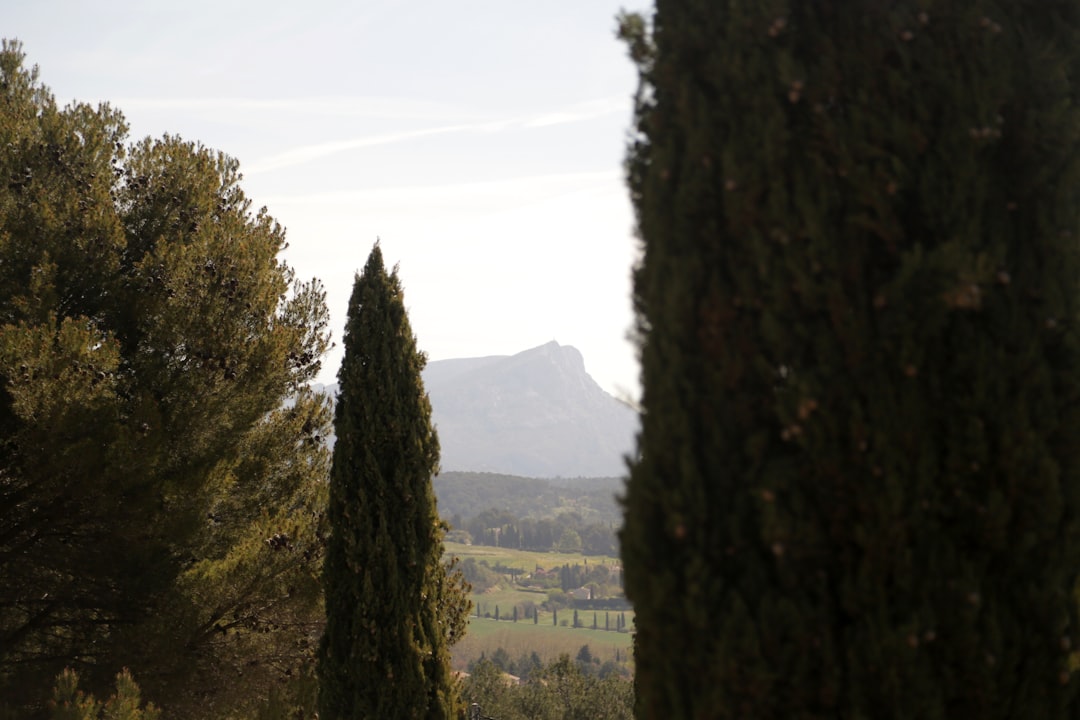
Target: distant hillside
x=535, y=414
x=468, y=493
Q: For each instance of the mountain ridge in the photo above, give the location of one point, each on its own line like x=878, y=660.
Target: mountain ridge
x=537, y=413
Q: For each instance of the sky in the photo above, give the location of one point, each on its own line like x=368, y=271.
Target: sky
x=479, y=141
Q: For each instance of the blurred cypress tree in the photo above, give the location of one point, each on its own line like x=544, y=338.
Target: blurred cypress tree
x=856, y=493
x=393, y=608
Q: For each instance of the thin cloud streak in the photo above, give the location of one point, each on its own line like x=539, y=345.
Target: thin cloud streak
x=329, y=106
x=309, y=153
x=530, y=187
x=581, y=112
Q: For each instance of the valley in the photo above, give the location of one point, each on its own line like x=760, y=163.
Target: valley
x=544, y=626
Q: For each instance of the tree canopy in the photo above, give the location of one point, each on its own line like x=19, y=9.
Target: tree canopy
x=161, y=463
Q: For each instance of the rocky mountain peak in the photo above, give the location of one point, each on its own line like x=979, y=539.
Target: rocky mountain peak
x=537, y=413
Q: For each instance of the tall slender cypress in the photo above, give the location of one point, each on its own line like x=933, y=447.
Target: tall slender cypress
x=392, y=608
x=856, y=492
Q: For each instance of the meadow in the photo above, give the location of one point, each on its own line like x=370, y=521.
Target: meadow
x=485, y=636
x=542, y=636
x=525, y=559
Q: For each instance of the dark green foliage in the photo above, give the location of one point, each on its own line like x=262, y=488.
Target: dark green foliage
x=524, y=667
x=562, y=690
x=562, y=532
x=591, y=499
x=857, y=490
x=393, y=609
x=70, y=703
x=296, y=699
x=158, y=499
x=529, y=513
x=584, y=656
x=479, y=575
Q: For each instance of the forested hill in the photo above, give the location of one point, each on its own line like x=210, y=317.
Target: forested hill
x=579, y=515
x=466, y=494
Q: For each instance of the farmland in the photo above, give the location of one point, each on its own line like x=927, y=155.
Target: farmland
x=543, y=635
x=524, y=559
x=522, y=638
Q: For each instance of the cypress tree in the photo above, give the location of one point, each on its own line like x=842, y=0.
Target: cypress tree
x=856, y=491
x=392, y=608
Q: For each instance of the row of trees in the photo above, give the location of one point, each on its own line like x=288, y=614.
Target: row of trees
x=565, y=532
x=597, y=575
x=563, y=690
x=600, y=579
x=613, y=621
x=529, y=666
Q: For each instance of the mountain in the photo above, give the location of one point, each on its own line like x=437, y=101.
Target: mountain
x=534, y=414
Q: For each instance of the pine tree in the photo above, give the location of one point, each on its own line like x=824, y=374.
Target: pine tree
x=858, y=482
x=70, y=703
x=393, y=609
x=149, y=339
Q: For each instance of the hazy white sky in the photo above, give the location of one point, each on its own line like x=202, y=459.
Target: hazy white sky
x=481, y=140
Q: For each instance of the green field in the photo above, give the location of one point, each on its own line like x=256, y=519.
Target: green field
x=547, y=641
x=543, y=637
x=505, y=598
x=524, y=559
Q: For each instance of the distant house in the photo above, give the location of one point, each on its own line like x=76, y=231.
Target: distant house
x=582, y=593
